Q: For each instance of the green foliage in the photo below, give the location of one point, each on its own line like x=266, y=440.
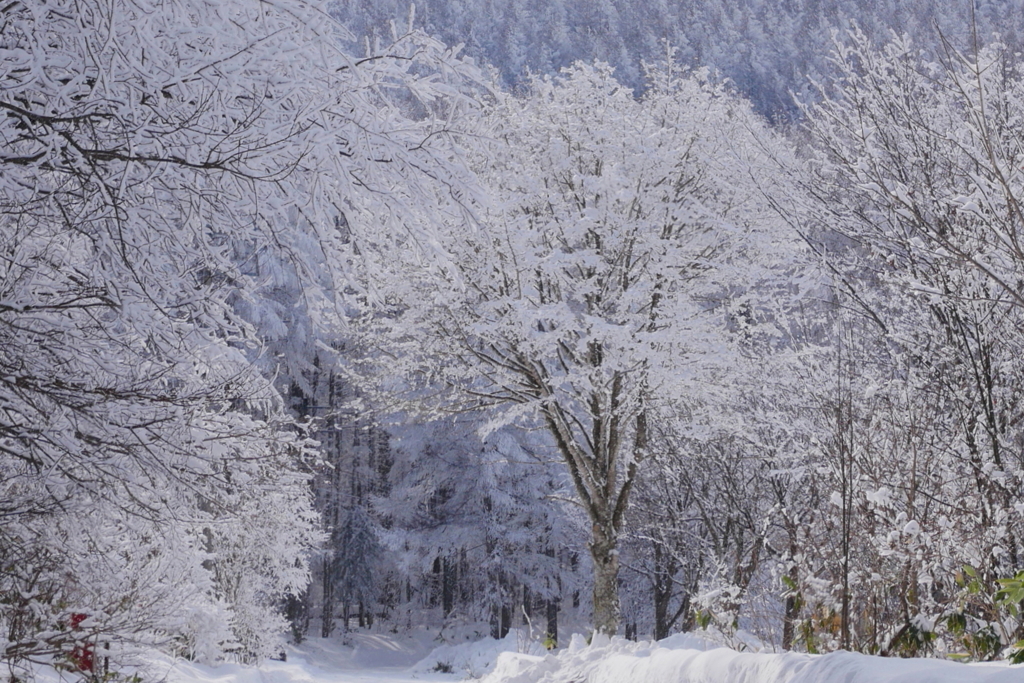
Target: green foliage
x=988, y=638
x=793, y=591
x=809, y=637
x=956, y=624
x=703, y=618
x=984, y=643
x=1009, y=597
x=911, y=641
x=968, y=580
x=1010, y=594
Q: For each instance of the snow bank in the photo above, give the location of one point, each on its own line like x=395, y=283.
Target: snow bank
x=475, y=659
x=688, y=660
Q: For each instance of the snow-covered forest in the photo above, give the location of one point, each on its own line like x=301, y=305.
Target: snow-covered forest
x=575, y=316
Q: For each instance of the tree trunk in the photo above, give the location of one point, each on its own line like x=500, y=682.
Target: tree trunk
x=605, y=553
x=662, y=592
x=297, y=612
x=551, y=606
x=602, y=483
x=496, y=621
x=506, y=619
x=794, y=602
x=501, y=614
x=327, y=613
x=527, y=606
x=449, y=578
x=551, y=633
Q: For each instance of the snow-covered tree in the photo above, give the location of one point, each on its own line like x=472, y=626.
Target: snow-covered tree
x=916, y=211
x=628, y=247
x=478, y=526
x=162, y=165
x=768, y=49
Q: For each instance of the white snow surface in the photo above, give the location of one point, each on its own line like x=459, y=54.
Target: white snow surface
x=381, y=658
x=475, y=659
x=686, y=659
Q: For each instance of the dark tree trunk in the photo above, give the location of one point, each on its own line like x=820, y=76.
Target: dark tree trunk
x=501, y=613
x=436, y=583
x=792, y=611
x=551, y=632
x=506, y=620
x=449, y=582
x=496, y=622
x=551, y=604
x=297, y=612
x=662, y=592
x=327, y=613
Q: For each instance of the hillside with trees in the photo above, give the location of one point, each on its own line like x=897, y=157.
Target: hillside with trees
x=769, y=50
x=311, y=324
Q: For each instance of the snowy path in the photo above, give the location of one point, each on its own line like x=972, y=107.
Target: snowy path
x=285, y=674
x=288, y=672
x=373, y=659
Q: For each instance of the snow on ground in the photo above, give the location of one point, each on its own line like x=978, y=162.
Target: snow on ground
x=362, y=658
x=475, y=659
x=365, y=658
x=381, y=658
x=685, y=659
x=375, y=658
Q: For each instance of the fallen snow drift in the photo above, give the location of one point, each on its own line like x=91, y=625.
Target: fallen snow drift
x=683, y=659
x=474, y=659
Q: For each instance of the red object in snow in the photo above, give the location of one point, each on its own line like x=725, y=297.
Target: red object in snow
x=82, y=655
